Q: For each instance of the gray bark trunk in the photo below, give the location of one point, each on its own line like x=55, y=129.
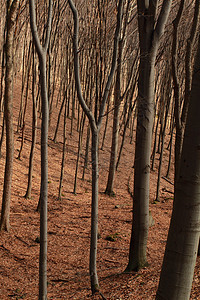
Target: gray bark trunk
x=42, y=52
x=44, y=183
x=5, y=212
x=183, y=237
x=95, y=127
x=137, y=255
x=94, y=213
x=150, y=32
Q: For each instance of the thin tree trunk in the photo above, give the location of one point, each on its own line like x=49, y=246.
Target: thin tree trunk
x=59, y=115
x=42, y=52
x=115, y=130
x=170, y=155
x=95, y=127
x=25, y=106
x=130, y=111
x=163, y=138
x=34, y=130
x=155, y=144
x=2, y=134
x=63, y=153
x=86, y=151
x=2, y=73
x=106, y=125
x=82, y=122
x=94, y=213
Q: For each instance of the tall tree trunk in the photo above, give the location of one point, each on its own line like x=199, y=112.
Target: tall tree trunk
x=95, y=127
x=150, y=32
x=94, y=213
x=5, y=212
x=137, y=255
x=44, y=182
x=42, y=52
x=183, y=237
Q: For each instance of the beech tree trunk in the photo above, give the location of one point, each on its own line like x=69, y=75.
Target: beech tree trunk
x=183, y=237
x=94, y=213
x=150, y=32
x=42, y=53
x=5, y=212
x=95, y=125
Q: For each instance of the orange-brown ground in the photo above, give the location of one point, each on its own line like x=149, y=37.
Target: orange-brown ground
x=69, y=226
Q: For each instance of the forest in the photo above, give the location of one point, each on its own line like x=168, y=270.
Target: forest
x=100, y=149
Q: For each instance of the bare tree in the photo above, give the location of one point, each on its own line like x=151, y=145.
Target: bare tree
x=183, y=237
x=151, y=28
x=8, y=98
x=42, y=52
x=95, y=127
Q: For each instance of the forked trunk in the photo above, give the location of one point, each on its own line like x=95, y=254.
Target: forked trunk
x=150, y=32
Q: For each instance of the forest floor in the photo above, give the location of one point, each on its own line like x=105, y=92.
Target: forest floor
x=69, y=223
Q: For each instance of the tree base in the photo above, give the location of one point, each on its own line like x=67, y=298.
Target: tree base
x=135, y=268
x=110, y=193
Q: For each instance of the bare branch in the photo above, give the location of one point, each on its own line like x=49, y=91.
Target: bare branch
x=76, y=66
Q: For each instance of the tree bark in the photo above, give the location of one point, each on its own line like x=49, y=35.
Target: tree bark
x=150, y=32
x=115, y=130
x=94, y=213
x=5, y=212
x=183, y=237
x=42, y=52
x=34, y=130
x=180, y=116
x=95, y=127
